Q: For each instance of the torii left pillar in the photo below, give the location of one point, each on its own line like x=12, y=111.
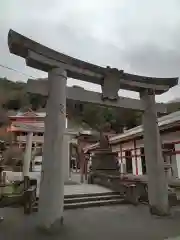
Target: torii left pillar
x=51, y=199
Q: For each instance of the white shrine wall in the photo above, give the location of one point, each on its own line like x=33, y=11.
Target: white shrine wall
x=169, y=137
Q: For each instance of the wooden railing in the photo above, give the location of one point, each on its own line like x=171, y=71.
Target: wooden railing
x=134, y=188
x=24, y=195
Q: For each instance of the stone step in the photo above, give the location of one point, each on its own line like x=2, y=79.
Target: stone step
x=89, y=204
x=91, y=198
x=91, y=194
x=85, y=195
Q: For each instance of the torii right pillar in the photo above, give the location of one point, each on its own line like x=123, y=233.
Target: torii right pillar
x=157, y=182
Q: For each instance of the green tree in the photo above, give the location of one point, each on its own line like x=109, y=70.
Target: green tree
x=13, y=96
x=37, y=101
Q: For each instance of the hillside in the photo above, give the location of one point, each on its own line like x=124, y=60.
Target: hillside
x=14, y=97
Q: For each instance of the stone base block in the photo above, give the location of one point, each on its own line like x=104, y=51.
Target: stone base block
x=55, y=228
x=158, y=212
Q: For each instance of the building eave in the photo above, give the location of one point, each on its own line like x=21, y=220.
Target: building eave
x=165, y=122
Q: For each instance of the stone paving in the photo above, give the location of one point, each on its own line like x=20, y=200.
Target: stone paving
x=115, y=222
x=68, y=189
x=118, y=222
x=176, y=238
x=84, y=189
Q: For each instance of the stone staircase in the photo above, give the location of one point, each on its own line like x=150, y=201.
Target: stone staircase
x=92, y=200
x=76, y=201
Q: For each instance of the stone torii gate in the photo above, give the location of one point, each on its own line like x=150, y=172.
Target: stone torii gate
x=59, y=67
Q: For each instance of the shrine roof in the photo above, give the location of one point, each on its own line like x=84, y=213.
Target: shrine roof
x=37, y=127
x=30, y=114
x=164, y=122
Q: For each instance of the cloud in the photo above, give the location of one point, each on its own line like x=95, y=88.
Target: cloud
x=139, y=36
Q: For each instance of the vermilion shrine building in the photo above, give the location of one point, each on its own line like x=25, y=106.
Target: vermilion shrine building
x=29, y=118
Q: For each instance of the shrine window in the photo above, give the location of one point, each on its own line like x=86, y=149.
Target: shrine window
x=40, y=134
x=23, y=133
x=128, y=157
x=143, y=161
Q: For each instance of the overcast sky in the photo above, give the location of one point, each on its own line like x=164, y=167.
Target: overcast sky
x=139, y=36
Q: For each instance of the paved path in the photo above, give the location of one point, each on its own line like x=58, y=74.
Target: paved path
x=84, y=189
x=68, y=189
x=118, y=222
x=124, y=222
x=176, y=238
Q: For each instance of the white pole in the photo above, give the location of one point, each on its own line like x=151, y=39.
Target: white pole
x=27, y=155
x=157, y=184
x=51, y=199
x=66, y=157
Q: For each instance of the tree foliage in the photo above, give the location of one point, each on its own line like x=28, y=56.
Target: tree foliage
x=13, y=96
x=97, y=116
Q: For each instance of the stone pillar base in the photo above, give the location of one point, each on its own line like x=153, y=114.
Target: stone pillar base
x=132, y=194
x=158, y=212
x=54, y=228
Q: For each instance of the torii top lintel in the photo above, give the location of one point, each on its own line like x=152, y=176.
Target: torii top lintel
x=45, y=59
